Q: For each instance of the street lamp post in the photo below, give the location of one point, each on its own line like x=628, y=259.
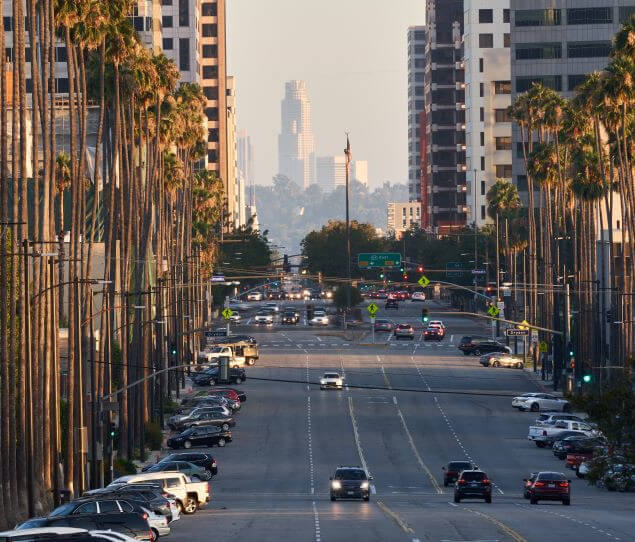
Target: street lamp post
x=347, y=152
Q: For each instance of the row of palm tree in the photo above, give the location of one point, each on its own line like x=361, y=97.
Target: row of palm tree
x=578, y=156
x=139, y=199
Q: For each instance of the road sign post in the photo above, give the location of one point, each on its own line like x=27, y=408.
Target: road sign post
x=367, y=260
x=372, y=327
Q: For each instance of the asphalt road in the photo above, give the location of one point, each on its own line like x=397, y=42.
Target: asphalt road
x=290, y=436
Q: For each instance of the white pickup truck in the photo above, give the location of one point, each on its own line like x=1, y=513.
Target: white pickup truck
x=189, y=495
x=541, y=434
x=239, y=354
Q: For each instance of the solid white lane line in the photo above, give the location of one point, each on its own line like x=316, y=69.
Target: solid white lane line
x=451, y=339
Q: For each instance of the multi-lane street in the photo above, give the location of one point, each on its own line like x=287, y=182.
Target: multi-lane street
x=273, y=481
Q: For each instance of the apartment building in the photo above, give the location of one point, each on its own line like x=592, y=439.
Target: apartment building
x=488, y=129
x=403, y=216
x=180, y=22
x=416, y=107
x=235, y=193
x=443, y=159
x=558, y=43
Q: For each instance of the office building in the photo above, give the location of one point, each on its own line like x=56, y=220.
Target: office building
x=443, y=158
x=235, y=185
x=558, y=43
x=246, y=164
x=488, y=128
x=416, y=107
x=296, y=147
x=330, y=172
x=180, y=22
x=403, y=216
x=359, y=171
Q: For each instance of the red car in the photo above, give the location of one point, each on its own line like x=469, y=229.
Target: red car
x=550, y=486
x=433, y=334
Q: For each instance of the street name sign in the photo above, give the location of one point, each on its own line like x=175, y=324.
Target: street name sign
x=372, y=309
x=378, y=259
x=423, y=281
x=218, y=278
x=227, y=313
x=513, y=332
x=478, y=271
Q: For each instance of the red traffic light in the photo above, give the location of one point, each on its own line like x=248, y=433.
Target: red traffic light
x=420, y=269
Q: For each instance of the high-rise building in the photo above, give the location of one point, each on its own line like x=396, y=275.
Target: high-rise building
x=488, y=128
x=214, y=84
x=416, y=107
x=403, y=216
x=296, y=147
x=235, y=186
x=246, y=163
x=558, y=43
x=330, y=172
x=359, y=171
x=180, y=22
x=443, y=159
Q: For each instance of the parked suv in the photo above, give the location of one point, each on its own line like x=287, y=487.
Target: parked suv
x=550, y=486
x=211, y=377
x=350, y=483
x=200, y=436
x=195, y=472
x=473, y=484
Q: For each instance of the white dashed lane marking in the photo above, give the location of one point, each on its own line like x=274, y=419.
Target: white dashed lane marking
x=316, y=517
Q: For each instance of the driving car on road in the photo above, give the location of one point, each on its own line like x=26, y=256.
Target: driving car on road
x=350, y=483
x=200, y=436
x=550, y=486
x=254, y=296
x=404, y=331
x=319, y=318
x=211, y=377
x=473, y=484
x=331, y=380
x=452, y=470
x=264, y=316
x=290, y=316
x=235, y=317
x=540, y=401
x=418, y=296
x=391, y=304
x=478, y=347
x=433, y=333
x=382, y=324
x=501, y=360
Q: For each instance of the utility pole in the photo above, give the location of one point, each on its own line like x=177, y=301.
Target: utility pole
x=28, y=379
x=498, y=277
x=347, y=152
x=475, y=231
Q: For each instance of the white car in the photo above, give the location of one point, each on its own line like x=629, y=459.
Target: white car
x=331, y=380
x=263, y=317
x=235, y=317
x=549, y=418
x=436, y=323
x=254, y=296
x=158, y=523
x=273, y=306
x=540, y=401
x=319, y=319
x=418, y=296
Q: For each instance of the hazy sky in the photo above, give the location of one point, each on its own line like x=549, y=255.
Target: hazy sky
x=353, y=56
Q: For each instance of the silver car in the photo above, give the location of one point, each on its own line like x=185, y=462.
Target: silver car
x=503, y=360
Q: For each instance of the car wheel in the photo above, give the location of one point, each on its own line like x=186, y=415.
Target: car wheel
x=533, y=500
x=535, y=407
x=238, y=380
x=496, y=363
x=333, y=498
x=540, y=443
x=477, y=352
x=187, y=444
x=225, y=426
x=520, y=365
x=367, y=498
x=155, y=535
x=212, y=382
x=566, y=502
x=457, y=498
x=221, y=442
x=251, y=361
x=488, y=499
x=191, y=506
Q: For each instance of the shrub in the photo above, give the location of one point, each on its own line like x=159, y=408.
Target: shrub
x=154, y=436
x=122, y=467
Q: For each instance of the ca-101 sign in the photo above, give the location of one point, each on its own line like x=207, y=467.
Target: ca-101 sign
x=378, y=259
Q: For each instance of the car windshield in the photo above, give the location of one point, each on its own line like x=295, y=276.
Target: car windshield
x=551, y=476
x=350, y=474
x=331, y=375
x=469, y=476
x=459, y=465
x=63, y=510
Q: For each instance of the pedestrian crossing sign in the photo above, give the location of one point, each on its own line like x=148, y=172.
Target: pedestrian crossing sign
x=524, y=325
x=372, y=309
x=423, y=281
x=493, y=311
x=227, y=313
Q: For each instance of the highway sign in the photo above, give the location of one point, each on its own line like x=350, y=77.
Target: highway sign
x=455, y=270
x=423, y=281
x=378, y=259
x=227, y=313
x=513, y=332
x=543, y=346
x=372, y=309
x=493, y=311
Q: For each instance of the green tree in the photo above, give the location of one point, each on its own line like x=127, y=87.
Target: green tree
x=340, y=296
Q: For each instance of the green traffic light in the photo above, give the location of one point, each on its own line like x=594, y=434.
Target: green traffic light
x=571, y=353
x=425, y=318
x=586, y=378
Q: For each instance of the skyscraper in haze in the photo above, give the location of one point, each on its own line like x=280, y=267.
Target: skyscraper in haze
x=246, y=163
x=296, y=147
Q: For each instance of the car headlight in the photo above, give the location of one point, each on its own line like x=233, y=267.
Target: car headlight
x=365, y=485
x=336, y=485
x=340, y=382
x=322, y=381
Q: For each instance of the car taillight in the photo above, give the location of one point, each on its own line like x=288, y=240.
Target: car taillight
x=540, y=484
x=563, y=484
x=461, y=482
x=486, y=482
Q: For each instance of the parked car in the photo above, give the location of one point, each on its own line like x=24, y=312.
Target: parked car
x=152, y=496
x=201, y=459
x=193, y=471
x=433, y=333
x=550, y=486
x=549, y=418
x=331, y=380
x=584, y=450
x=200, y=436
x=452, y=470
x=382, y=324
x=391, y=304
x=540, y=401
x=478, y=347
x=232, y=392
x=176, y=423
x=404, y=331
x=50, y=534
x=350, y=483
x=541, y=434
x=212, y=418
x=563, y=442
x=211, y=377
x=473, y=484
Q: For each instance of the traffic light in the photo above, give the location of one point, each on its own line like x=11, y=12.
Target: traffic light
x=173, y=349
x=405, y=276
x=401, y=269
x=420, y=269
x=381, y=275
x=424, y=315
x=112, y=430
x=586, y=378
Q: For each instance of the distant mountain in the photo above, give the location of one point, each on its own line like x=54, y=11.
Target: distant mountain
x=289, y=212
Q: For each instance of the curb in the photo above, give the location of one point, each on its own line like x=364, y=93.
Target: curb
x=376, y=345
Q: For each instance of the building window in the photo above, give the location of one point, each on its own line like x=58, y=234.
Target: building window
x=503, y=143
x=8, y=24
x=501, y=115
x=60, y=54
x=589, y=15
x=537, y=17
x=212, y=134
x=166, y=21
x=184, y=54
x=589, y=49
x=480, y=65
x=168, y=44
x=420, y=49
x=574, y=80
x=210, y=30
x=184, y=12
x=482, y=188
x=535, y=51
x=211, y=113
x=137, y=23
x=210, y=72
x=482, y=163
x=521, y=183
x=482, y=212
x=210, y=51
x=507, y=40
x=485, y=15
x=506, y=15
x=503, y=171
x=482, y=139
x=420, y=35
x=481, y=90
x=212, y=156
x=211, y=93
x=482, y=114
x=62, y=85
x=554, y=82
x=502, y=87
x=166, y=2
x=626, y=12
x=209, y=9
x=486, y=41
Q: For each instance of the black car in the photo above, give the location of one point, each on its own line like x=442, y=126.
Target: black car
x=562, y=447
x=391, y=304
x=200, y=436
x=104, y=515
x=152, y=497
x=453, y=469
x=211, y=377
x=479, y=347
x=290, y=317
x=473, y=484
x=350, y=483
x=201, y=459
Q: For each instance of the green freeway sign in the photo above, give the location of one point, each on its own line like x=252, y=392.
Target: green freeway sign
x=455, y=270
x=378, y=259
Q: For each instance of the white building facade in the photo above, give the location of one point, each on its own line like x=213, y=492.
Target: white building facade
x=359, y=171
x=180, y=23
x=403, y=216
x=486, y=42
